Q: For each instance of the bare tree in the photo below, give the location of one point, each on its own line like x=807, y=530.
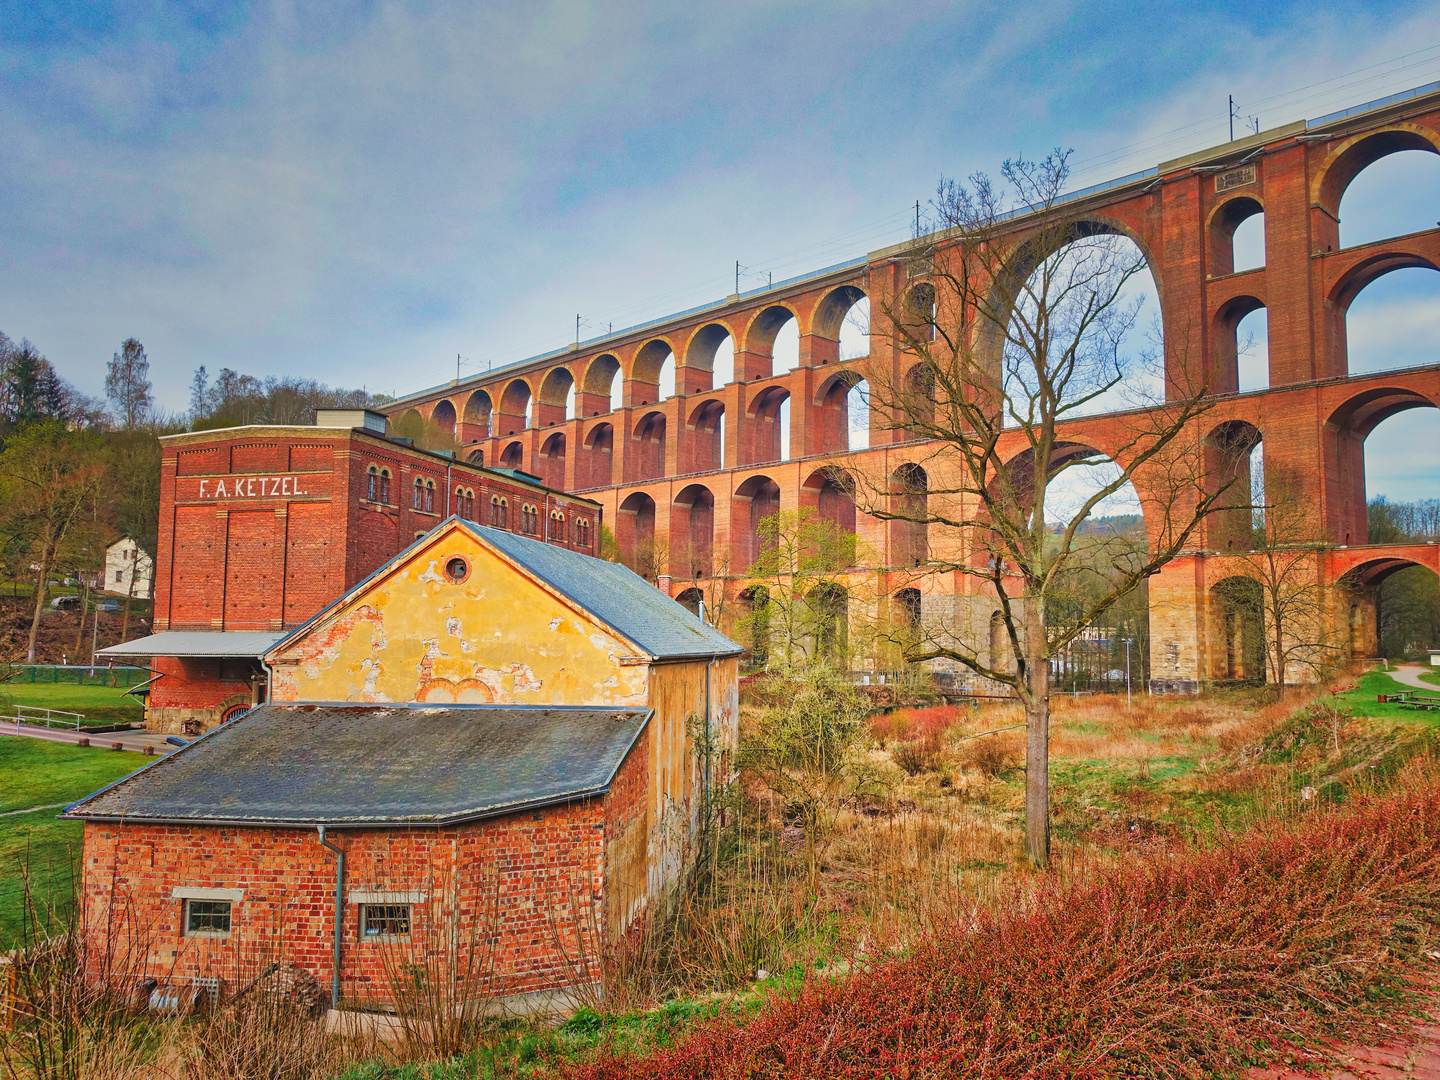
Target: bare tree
x=50, y=484
x=1295, y=602
x=805, y=610
x=1014, y=322
x=127, y=384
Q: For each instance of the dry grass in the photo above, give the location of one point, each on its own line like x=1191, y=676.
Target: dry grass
x=936, y=843
x=1156, y=966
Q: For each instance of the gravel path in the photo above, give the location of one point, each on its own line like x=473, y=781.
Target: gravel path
x=1409, y=674
x=128, y=740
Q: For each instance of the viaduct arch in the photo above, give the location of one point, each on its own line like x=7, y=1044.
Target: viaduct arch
x=703, y=465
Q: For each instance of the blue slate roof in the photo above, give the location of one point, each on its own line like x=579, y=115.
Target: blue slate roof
x=377, y=765
x=616, y=595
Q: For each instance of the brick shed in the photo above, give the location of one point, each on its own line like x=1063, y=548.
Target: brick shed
x=473, y=628
x=502, y=839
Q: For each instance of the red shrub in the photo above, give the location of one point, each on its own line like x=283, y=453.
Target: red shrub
x=1187, y=965
x=905, y=724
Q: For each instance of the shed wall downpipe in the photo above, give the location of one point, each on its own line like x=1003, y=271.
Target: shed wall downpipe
x=339, y=915
x=708, y=747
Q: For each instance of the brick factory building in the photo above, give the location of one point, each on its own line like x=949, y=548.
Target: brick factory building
x=494, y=731
x=262, y=526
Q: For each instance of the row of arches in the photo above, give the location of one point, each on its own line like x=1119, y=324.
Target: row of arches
x=1357, y=190
x=839, y=422
x=688, y=550
x=771, y=344
x=1236, y=458
x=1241, y=622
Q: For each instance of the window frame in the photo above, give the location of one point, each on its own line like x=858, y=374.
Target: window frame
x=388, y=917
x=188, y=916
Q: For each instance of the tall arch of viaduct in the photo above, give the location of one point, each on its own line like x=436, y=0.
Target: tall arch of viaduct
x=692, y=473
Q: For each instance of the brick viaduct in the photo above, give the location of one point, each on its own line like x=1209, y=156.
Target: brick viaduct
x=697, y=470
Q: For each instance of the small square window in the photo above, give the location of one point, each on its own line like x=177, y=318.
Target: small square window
x=207, y=917
x=384, y=920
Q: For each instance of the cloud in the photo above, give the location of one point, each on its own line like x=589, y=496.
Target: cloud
x=360, y=191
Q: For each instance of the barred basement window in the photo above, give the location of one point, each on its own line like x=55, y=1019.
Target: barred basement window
x=207, y=917
x=384, y=920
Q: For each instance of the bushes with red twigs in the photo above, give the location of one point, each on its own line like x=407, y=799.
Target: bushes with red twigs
x=1189, y=963
x=903, y=725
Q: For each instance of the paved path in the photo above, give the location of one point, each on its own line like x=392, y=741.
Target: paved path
x=128, y=740
x=32, y=809
x=1409, y=674
x=1417, y=1057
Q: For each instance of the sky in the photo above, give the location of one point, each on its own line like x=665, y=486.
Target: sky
x=360, y=192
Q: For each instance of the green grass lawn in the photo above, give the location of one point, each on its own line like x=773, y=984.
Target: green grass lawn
x=100, y=705
x=35, y=773
x=38, y=773
x=1362, y=700
x=50, y=849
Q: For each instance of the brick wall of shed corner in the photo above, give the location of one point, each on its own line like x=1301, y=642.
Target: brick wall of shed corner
x=627, y=828
x=518, y=879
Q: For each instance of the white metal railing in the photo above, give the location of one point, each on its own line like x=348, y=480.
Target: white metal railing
x=29, y=714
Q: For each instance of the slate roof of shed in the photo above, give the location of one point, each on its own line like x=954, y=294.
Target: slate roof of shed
x=377, y=765
x=617, y=595
x=613, y=593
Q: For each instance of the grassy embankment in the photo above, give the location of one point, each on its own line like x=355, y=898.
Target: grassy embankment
x=940, y=832
x=101, y=706
x=37, y=773
x=933, y=843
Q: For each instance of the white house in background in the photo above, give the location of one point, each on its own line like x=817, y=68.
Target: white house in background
x=129, y=570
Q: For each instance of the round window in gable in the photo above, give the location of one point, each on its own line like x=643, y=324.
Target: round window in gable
x=457, y=569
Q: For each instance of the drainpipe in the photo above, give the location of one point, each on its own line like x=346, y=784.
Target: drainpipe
x=339, y=915
x=708, y=666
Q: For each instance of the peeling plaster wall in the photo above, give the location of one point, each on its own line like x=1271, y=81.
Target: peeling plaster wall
x=497, y=636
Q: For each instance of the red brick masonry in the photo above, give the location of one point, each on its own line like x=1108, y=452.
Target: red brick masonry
x=525, y=895
x=261, y=527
